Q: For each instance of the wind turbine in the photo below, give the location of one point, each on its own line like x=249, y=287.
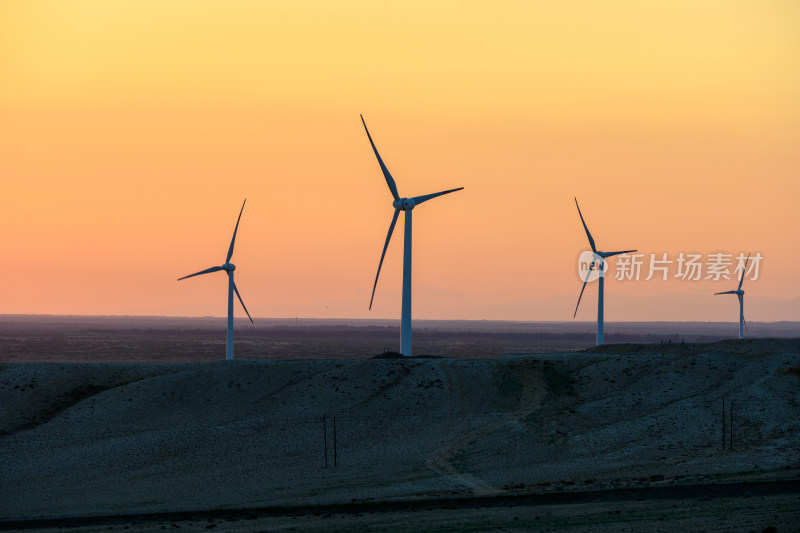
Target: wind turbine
x=740, y=294
x=406, y=205
x=228, y=267
x=597, y=257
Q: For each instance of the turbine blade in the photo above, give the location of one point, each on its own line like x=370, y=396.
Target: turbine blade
x=726, y=292
x=242, y=302
x=206, y=271
x=741, y=302
x=419, y=199
x=591, y=241
x=233, y=240
x=389, y=179
x=383, y=254
x=612, y=254
x=589, y=273
x=744, y=270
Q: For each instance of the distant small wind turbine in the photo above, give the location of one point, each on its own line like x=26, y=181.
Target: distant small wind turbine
x=597, y=257
x=228, y=268
x=740, y=294
x=405, y=205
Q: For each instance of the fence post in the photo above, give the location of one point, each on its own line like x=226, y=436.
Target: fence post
x=723, y=423
x=334, y=441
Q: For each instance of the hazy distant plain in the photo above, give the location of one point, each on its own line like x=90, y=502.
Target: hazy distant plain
x=166, y=339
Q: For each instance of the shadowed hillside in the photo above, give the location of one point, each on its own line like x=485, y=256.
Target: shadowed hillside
x=110, y=438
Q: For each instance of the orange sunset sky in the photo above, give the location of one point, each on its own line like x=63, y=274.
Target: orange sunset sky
x=132, y=130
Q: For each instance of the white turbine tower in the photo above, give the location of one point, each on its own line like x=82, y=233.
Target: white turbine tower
x=228, y=268
x=740, y=294
x=406, y=205
x=597, y=257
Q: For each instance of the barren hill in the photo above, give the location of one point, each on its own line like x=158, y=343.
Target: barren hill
x=96, y=438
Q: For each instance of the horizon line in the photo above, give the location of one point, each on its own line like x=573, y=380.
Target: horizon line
x=397, y=320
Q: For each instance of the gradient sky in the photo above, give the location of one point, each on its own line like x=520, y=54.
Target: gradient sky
x=131, y=131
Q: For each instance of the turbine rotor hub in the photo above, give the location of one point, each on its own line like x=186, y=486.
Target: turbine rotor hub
x=406, y=204
x=230, y=267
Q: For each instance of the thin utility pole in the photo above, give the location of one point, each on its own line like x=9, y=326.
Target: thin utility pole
x=723, y=423
x=334, y=441
x=325, y=439
x=731, y=439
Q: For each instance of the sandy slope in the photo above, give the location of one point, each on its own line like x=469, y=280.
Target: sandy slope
x=110, y=438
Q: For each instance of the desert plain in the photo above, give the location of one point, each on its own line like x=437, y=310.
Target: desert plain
x=624, y=437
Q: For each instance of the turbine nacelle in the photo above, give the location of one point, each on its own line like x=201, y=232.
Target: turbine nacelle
x=406, y=204
x=598, y=258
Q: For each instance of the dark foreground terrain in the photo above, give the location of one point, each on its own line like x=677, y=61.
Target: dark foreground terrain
x=727, y=507
x=624, y=437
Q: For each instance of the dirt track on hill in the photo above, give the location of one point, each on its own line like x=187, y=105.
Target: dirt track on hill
x=531, y=396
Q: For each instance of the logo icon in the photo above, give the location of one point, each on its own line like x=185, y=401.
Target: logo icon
x=591, y=266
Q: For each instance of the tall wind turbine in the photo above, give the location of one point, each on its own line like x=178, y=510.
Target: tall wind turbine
x=406, y=205
x=740, y=294
x=599, y=258
x=228, y=267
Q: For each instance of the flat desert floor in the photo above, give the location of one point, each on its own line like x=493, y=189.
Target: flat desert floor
x=626, y=437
